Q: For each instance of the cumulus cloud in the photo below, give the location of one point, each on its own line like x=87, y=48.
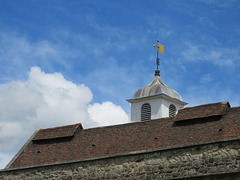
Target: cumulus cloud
x=47, y=100
x=106, y=113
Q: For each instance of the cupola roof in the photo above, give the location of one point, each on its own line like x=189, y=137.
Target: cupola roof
x=156, y=87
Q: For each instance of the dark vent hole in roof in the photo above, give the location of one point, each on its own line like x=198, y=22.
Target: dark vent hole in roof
x=155, y=138
x=93, y=145
x=220, y=130
x=38, y=151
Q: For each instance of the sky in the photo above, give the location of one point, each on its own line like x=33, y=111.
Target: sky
x=64, y=62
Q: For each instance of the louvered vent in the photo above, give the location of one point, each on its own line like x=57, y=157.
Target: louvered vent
x=172, y=110
x=145, y=112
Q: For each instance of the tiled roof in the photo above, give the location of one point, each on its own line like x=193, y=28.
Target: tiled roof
x=139, y=136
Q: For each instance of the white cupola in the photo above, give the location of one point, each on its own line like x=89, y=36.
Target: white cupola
x=156, y=100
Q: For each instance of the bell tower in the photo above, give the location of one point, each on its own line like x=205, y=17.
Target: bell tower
x=156, y=100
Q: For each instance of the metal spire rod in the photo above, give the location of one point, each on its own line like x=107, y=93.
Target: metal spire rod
x=158, y=59
x=160, y=49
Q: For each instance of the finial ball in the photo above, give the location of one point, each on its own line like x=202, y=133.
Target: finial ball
x=157, y=72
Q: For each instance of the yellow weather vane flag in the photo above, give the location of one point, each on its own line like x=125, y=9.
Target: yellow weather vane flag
x=160, y=48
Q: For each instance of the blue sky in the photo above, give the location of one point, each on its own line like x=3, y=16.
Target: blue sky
x=104, y=51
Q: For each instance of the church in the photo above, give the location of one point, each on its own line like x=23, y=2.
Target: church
x=164, y=140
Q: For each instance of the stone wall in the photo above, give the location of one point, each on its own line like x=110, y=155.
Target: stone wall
x=212, y=161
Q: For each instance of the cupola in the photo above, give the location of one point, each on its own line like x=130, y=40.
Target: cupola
x=156, y=100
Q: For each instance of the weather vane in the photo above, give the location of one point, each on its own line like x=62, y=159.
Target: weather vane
x=161, y=50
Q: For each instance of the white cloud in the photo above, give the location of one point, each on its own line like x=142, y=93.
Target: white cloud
x=19, y=53
x=106, y=113
x=47, y=100
x=206, y=78
x=191, y=52
x=220, y=3
x=220, y=56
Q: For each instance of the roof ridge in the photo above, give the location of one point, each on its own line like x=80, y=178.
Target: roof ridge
x=221, y=102
x=126, y=124
x=235, y=107
x=62, y=126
